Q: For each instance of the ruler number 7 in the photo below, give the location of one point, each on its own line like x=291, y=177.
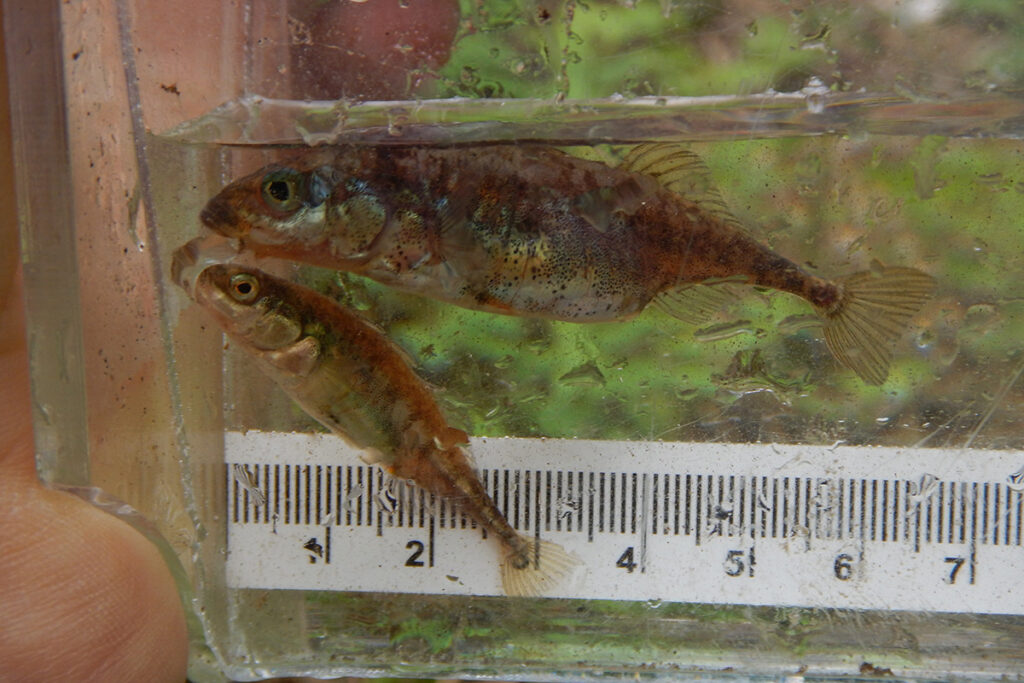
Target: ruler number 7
x=957, y=562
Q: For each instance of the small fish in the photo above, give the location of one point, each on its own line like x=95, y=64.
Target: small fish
x=350, y=377
x=532, y=231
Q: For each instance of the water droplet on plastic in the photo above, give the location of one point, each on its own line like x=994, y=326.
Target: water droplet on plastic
x=386, y=499
x=539, y=345
x=566, y=507
x=723, y=331
x=245, y=478
x=814, y=93
x=1015, y=481
x=925, y=486
x=353, y=497
x=587, y=374
x=990, y=179
x=794, y=323
x=925, y=340
x=980, y=316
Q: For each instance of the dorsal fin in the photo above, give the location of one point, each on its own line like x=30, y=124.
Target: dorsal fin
x=681, y=171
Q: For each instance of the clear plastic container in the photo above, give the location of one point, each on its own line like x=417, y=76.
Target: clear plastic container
x=841, y=134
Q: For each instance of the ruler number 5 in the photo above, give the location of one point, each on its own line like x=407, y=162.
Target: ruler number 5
x=738, y=560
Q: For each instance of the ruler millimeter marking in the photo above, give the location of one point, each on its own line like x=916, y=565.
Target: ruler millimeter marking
x=845, y=527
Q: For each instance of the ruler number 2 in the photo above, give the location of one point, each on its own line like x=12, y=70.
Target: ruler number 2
x=417, y=549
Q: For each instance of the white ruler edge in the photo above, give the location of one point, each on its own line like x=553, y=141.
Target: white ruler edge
x=795, y=568
x=270, y=448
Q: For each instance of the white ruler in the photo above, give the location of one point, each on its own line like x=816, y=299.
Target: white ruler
x=841, y=527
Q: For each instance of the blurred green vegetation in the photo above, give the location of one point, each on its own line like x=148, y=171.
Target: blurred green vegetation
x=597, y=48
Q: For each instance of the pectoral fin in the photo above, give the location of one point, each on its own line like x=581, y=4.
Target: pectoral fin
x=297, y=360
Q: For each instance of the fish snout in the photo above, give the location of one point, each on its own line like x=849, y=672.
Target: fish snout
x=193, y=257
x=219, y=216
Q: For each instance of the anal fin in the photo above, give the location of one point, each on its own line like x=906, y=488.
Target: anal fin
x=696, y=304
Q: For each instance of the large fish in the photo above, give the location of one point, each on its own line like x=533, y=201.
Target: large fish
x=348, y=375
x=532, y=231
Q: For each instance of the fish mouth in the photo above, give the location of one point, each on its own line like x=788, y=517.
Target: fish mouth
x=193, y=257
x=218, y=216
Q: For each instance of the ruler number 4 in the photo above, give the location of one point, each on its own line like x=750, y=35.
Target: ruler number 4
x=626, y=560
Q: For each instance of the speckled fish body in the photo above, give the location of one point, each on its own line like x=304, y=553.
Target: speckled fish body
x=529, y=230
x=495, y=228
x=351, y=378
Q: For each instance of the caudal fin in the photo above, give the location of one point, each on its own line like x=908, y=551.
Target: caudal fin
x=872, y=313
x=549, y=565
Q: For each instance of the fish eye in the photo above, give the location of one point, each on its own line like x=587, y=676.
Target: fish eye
x=244, y=287
x=281, y=190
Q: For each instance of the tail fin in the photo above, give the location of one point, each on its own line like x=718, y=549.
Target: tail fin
x=873, y=311
x=549, y=565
